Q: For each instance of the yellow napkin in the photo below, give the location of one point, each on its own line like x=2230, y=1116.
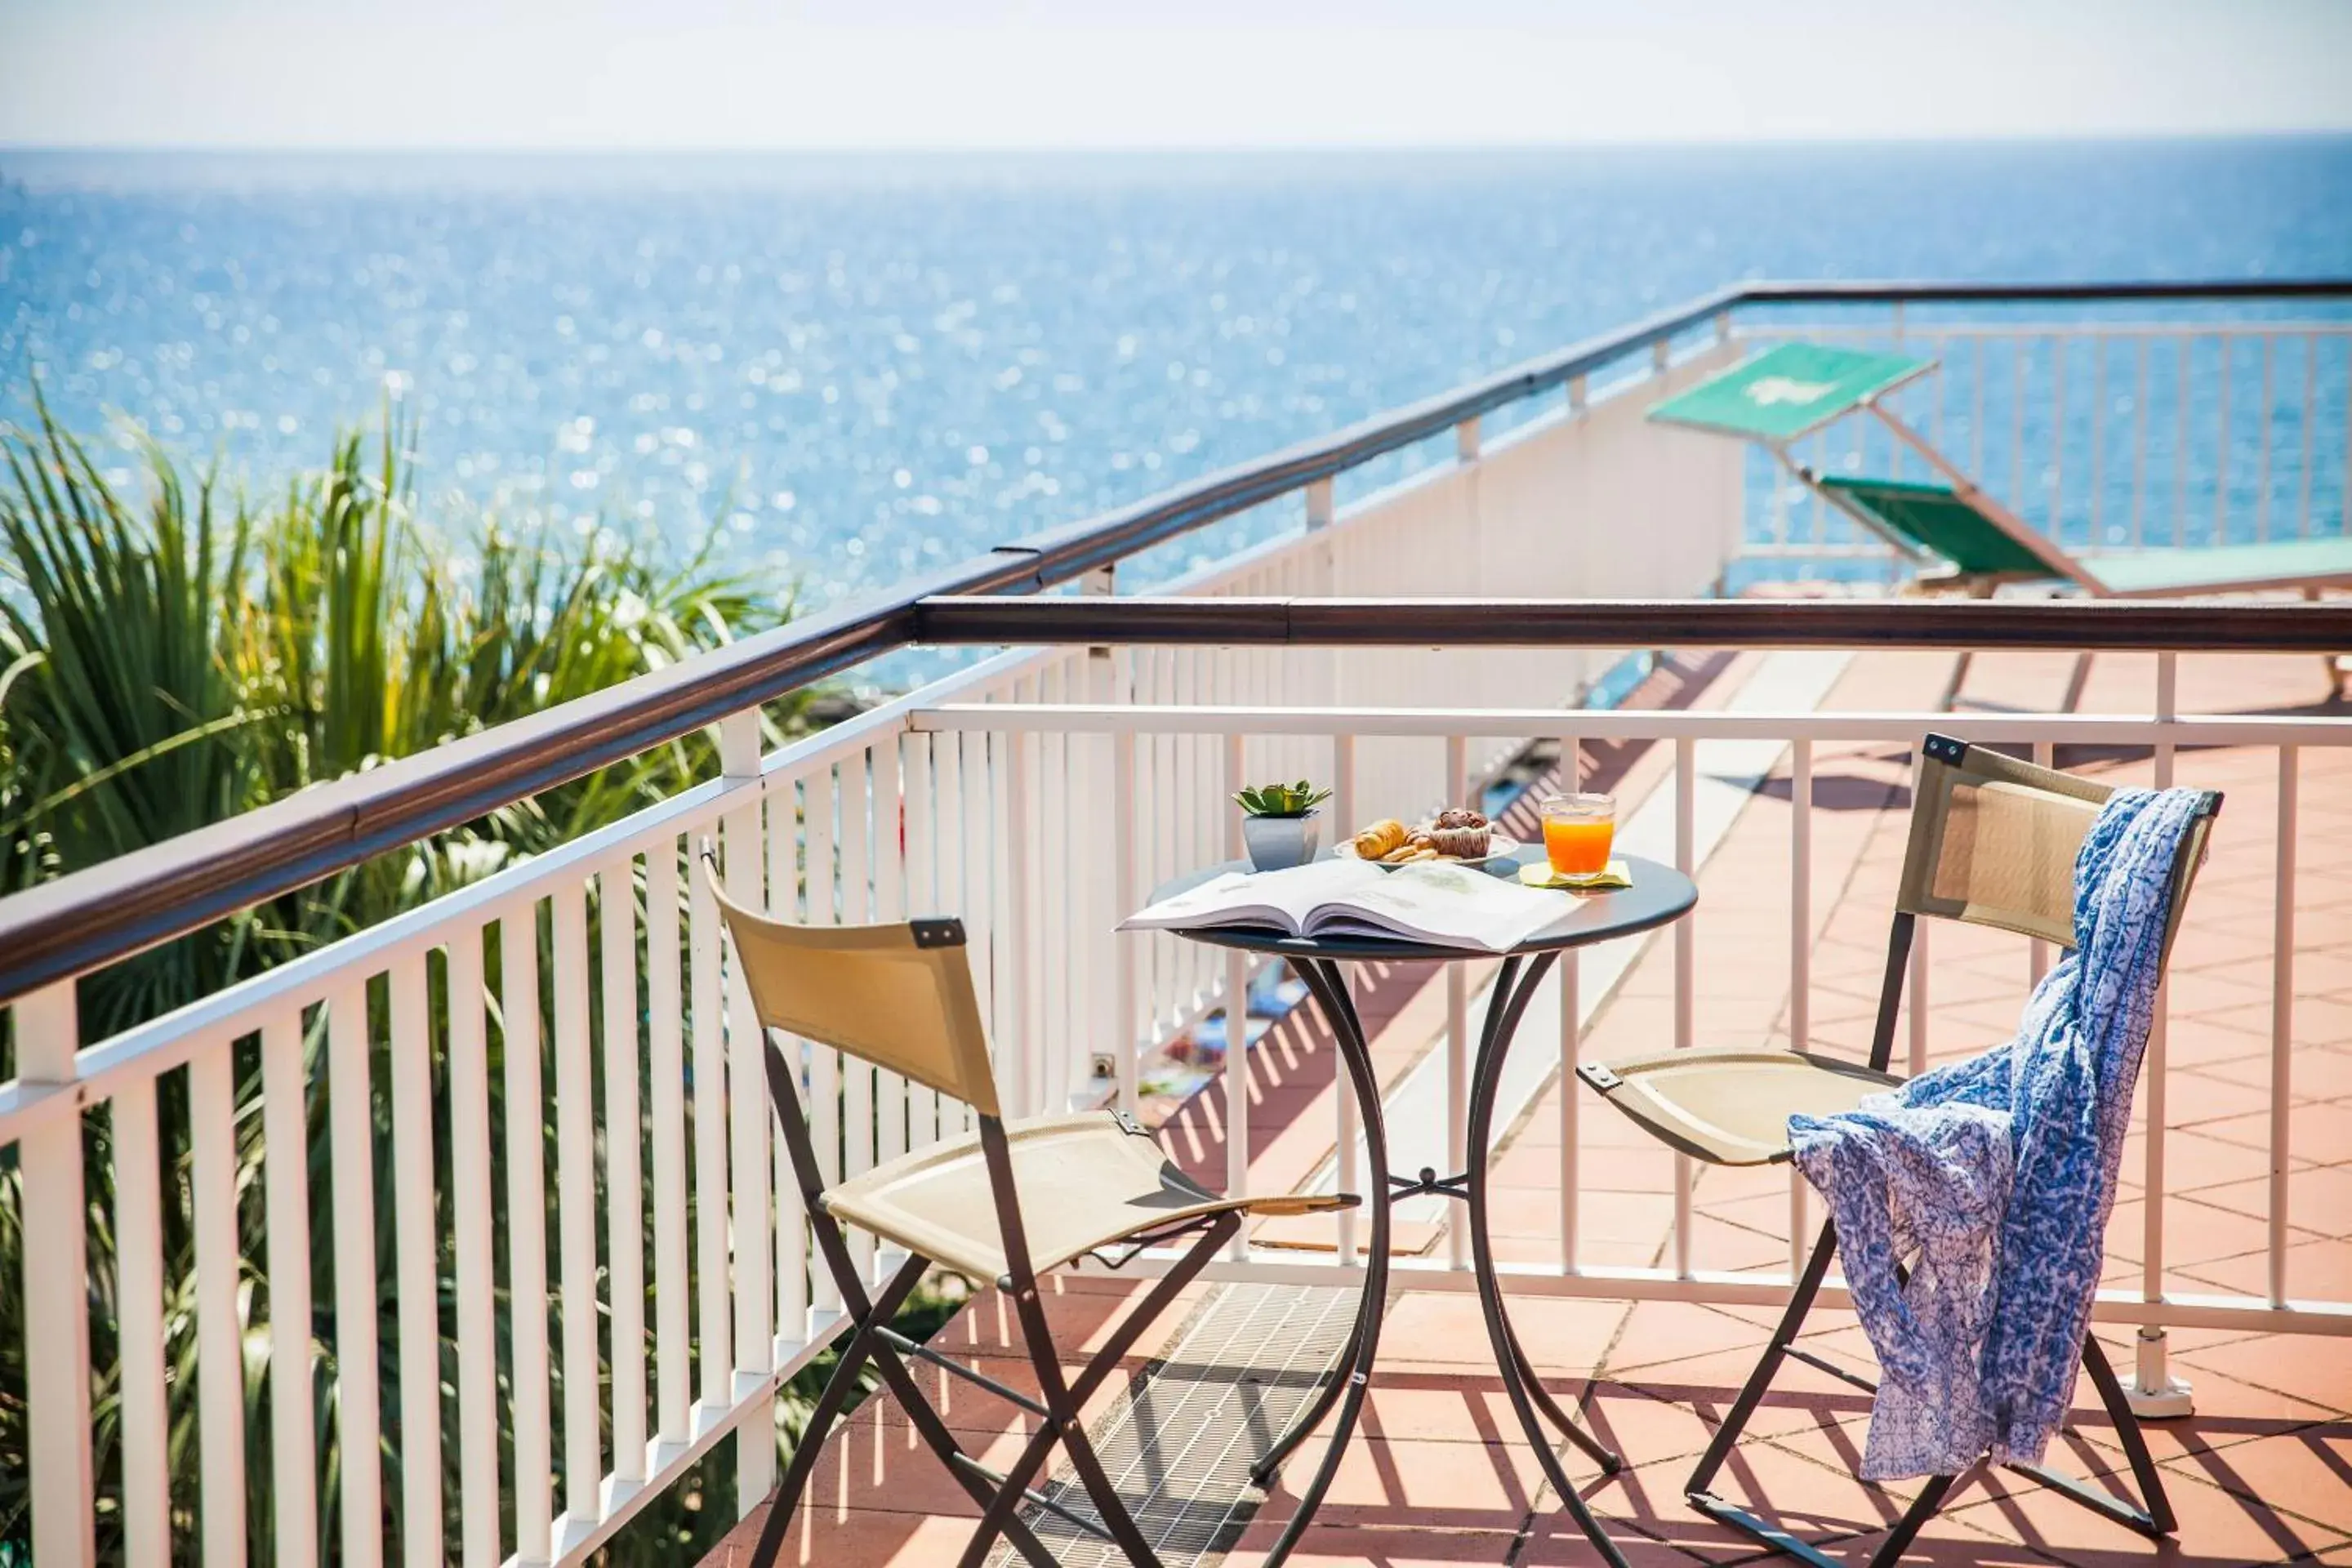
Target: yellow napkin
x=1541, y=875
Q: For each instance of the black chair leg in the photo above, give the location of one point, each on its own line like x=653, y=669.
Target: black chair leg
x=1064, y=1414
x=2127, y=1429
x=1915, y=1517
x=2154, y=1522
x=2154, y=1519
x=1699, y=1489
x=1793, y=1320
x=838, y=1389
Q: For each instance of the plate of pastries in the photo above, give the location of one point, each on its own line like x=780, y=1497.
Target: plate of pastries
x=1460, y=836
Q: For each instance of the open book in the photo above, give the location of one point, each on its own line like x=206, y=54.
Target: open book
x=1444, y=906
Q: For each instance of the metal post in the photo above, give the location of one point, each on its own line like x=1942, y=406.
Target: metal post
x=1351, y=1172
x=2099, y=436
x=1800, y=955
x=2058, y=439
x=1686, y=971
x=2310, y=435
x=2155, y=1392
x=1237, y=1118
x=2282, y=1017
x=2140, y=452
x=755, y=1443
x=1124, y=898
x=56, y=1287
x=1021, y=932
x=2037, y=952
x=2180, y=449
x=1458, y=1154
x=1571, y=1020
x=1319, y=514
x=2222, y=455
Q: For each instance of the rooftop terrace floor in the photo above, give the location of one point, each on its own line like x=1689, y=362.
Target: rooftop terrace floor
x=2261, y=1474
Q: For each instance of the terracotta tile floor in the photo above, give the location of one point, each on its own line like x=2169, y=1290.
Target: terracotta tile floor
x=2261, y=1474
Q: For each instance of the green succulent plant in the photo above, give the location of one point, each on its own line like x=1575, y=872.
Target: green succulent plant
x=1282, y=799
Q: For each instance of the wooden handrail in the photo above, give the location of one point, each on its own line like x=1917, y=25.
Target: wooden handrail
x=104, y=914
x=2060, y=625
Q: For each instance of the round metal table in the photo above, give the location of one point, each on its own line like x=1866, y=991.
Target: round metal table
x=1660, y=895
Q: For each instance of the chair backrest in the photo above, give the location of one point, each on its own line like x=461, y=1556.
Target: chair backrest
x=1787, y=391
x=1994, y=842
x=896, y=996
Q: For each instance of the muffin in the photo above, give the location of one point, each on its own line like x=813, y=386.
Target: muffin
x=1460, y=834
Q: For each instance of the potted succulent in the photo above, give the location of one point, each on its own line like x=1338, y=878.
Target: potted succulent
x=1278, y=825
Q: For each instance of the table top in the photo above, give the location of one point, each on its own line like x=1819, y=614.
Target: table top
x=1660, y=894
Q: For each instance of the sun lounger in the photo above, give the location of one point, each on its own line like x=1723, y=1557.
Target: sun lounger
x=1959, y=538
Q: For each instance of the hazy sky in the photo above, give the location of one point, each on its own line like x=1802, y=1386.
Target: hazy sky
x=1204, y=73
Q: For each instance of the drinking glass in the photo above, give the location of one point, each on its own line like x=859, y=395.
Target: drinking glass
x=1577, y=830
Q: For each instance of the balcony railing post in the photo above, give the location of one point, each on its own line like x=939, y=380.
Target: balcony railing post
x=2155, y=1392
x=56, y=1289
x=1571, y=1020
x=1236, y=999
x=754, y=1281
x=1686, y=971
x=1127, y=954
x=526, y=1230
x=1457, y=1029
x=1027, y=1068
x=1324, y=570
x=359, y=1418
x=2283, y=1016
x=1800, y=955
x=1344, y=811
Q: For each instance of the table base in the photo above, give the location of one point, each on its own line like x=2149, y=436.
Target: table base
x=1534, y=1404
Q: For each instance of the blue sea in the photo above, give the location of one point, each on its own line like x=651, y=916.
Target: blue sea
x=858, y=366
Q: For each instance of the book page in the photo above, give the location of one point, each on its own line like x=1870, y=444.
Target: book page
x=1280, y=899
x=1454, y=906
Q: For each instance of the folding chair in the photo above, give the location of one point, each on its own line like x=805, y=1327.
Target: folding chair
x=999, y=1204
x=1959, y=538
x=1993, y=843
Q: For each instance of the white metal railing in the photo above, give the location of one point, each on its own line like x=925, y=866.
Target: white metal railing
x=593, y=979
x=1162, y=984
x=2106, y=435
x=692, y=1292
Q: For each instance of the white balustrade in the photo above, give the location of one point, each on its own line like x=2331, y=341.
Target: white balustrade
x=2257, y=417
x=1035, y=795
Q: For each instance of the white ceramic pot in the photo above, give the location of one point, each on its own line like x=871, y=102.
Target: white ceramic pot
x=1276, y=843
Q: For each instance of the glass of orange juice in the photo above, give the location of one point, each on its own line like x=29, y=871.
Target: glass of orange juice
x=1577, y=830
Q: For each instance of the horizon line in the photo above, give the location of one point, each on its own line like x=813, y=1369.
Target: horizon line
x=1906, y=139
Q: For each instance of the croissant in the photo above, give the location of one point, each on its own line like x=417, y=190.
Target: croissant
x=1380, y=839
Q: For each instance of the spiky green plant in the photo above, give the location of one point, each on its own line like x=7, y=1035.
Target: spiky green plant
x=1281, y=799
x=167, y=660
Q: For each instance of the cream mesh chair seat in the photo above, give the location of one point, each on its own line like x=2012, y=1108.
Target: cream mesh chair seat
x=1994, y=842
x=1109, y=1182
x=1732, y=1106
x=998, y=1203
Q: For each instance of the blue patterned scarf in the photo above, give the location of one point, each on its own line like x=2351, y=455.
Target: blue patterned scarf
x=1999, y=1173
